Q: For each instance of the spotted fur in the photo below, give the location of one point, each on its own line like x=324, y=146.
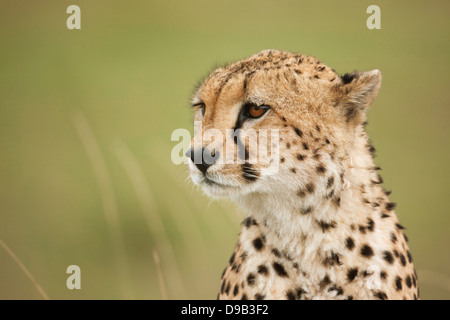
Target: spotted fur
x=322, y=226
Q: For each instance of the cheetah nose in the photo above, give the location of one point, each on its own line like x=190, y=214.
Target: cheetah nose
x=202, y=158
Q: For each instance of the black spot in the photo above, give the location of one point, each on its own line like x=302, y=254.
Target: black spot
x=324, y=282
x=279, y=269
x=310, y=188
x=383, y=274
x=259, y=296
x=338, y=290
x=258, y=244
x=379, y=181
x=223, y=273
x=232, y=258
x=249, y=221
x=282, y=160
x=299, y=292
x=410, y=259
x=222, y=287
x=406, y=238
x=387, y=255
x=403, y=260
x=244, y=297
x=227, y=288
x=330, y=181
x=350, y=244
x=276, y=252
x=235, y=290
x=399, y=226
x=293, y=170
x=307, y=210
x=372, y=149
x=408, y=281
x=327, y=141
x=298, y=132
x=330, y=194
x=384, y=216
x=366, y=251
x=321, y=169
x=318, y=128
x=262, y=269
x=283, y=118
x=326, y=225
x=305, y=146
x=251, y=279
x=301, y=193
x=396, y=253
x=390, y=206
x=393, y=238
x=337, y=201
x=352, y=273
x=398, y=283
x=300, y=157
x=381, y=295
x=243, y=255
x=333, y=259
x=290, y=295
x=370, y=225
x=362, y=229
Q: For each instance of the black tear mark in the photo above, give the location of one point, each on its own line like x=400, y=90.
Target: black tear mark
x=249, y=173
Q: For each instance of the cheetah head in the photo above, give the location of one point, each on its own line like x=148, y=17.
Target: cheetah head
x=310, y=116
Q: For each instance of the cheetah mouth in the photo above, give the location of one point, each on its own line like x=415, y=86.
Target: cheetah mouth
x=217, y=189
x=210, y=182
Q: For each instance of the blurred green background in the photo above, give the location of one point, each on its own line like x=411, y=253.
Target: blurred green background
x=86, y=118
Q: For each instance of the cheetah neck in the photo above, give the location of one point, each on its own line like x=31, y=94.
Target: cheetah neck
x=319, y=235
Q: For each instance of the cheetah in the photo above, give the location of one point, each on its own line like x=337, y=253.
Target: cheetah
x=322, y=226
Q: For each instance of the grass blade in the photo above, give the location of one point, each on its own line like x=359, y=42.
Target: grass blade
x=25, y=270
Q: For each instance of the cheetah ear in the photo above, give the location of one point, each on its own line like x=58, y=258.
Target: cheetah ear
x=357, y=90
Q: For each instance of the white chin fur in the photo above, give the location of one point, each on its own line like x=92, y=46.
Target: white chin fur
x=216, y=191
x=229, y=189
x=213, y=190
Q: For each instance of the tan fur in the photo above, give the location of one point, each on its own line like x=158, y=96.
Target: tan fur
x=324, y=216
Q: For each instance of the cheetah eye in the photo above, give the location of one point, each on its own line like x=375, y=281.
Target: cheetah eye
x=200, y=106
x=253, y=111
